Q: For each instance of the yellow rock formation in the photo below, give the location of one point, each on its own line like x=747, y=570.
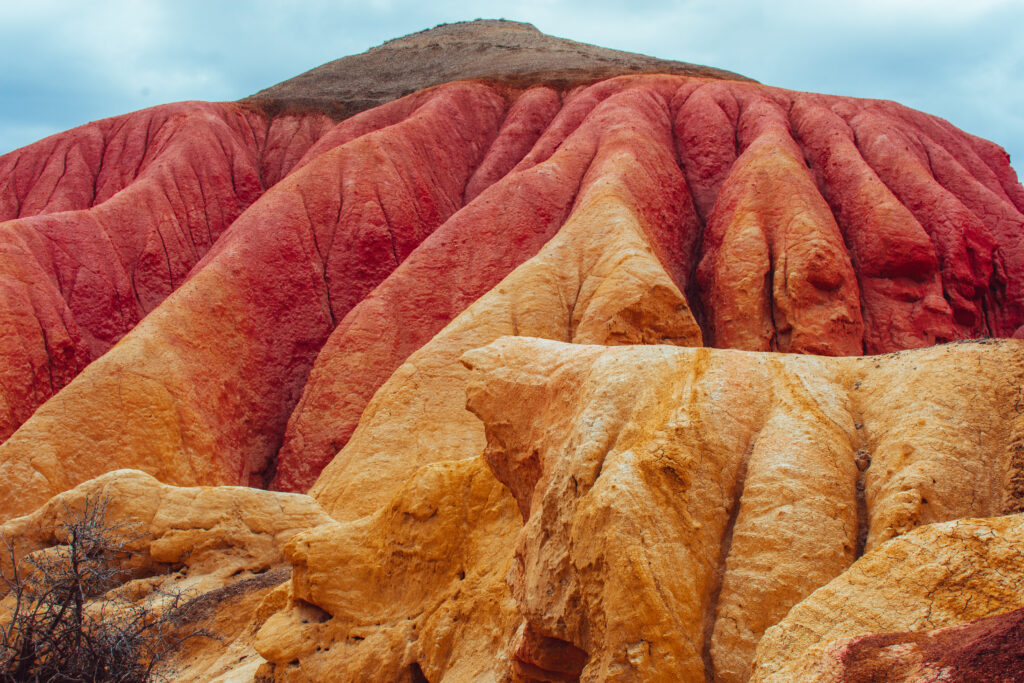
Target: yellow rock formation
x=933, y=577
x=417, y=586
x=677, y=503
x=220, y=547
x=685, y=499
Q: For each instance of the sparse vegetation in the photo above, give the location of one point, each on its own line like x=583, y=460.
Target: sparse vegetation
x=66, y=615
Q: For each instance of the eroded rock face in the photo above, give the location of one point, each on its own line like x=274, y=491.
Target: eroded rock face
x=788, y=222
x=840, y=292
x=417, y=587
x=447, y=611
x=220, y=547
x=98, y=225
x=678, y=502
x=599, y=280
x=205, y=384
x=676, y=498
x=957, y=587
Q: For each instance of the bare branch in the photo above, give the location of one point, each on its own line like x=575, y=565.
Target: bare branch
x=60, y=620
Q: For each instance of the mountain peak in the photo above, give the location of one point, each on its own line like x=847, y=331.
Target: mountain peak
x=495, y=50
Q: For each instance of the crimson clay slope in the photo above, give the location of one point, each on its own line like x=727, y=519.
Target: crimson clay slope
x=101, y=223
x=205, y=383
x=799, y=243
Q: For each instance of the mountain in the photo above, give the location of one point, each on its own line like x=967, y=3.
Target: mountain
x=512, y=53
x=560, y=363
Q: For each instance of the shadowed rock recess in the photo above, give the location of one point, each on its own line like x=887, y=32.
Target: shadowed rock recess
x=560, y=363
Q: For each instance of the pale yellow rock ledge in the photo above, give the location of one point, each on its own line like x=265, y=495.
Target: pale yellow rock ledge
x=680, y=501
x=221, y=547
x=933, y=577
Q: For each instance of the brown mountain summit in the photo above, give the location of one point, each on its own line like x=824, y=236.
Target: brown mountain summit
x=494, y=50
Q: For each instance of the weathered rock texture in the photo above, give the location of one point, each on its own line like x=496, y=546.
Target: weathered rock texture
x=200, y=391
x=703, y=493
x=677, y=503
x=803, y=294
x=256, y=293
x=599, y=280
x=958, y=574
x=101, y=223
x=415, y=588
x=219, y=547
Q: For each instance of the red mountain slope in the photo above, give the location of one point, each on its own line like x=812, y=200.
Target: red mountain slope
x=101, y=223
x=791, y=222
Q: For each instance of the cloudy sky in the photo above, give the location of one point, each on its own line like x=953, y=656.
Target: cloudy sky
x=68, y=62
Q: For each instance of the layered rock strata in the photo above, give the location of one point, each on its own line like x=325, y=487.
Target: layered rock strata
x=775, y=215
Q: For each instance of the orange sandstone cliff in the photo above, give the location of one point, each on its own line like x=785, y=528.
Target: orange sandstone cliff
x=593, y=367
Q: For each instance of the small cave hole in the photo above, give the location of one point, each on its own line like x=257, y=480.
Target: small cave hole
x=310, y=613
x=416, y=674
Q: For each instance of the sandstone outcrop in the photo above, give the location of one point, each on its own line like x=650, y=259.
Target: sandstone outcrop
x=677, y=503
x=780, y=232
x=954, y=585
x=220, y=547
x=703, y=493
x=414, y=590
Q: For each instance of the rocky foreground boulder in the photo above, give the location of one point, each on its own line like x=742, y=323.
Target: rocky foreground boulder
x=593, y=367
